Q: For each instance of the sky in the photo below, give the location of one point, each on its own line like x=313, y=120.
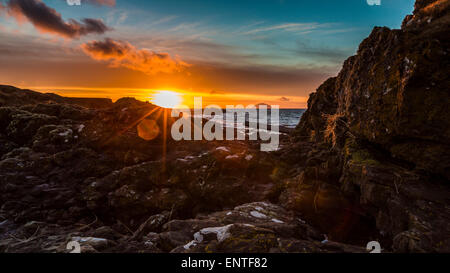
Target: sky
x=228, y=51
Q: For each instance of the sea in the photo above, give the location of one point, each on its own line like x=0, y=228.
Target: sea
x=288, y=118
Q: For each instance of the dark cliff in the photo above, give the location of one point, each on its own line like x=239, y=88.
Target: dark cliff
x=381, y=135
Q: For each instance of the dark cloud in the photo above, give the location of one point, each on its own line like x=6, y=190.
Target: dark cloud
x=48, y=20
x=284, y=99
x=121, y=53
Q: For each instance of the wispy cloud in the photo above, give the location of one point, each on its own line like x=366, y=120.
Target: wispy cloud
x=164, y=20
x=185, y=27
x=341, y=30
x=110, y=3
x=334, y=55
x=246, y=28
x=290, y=27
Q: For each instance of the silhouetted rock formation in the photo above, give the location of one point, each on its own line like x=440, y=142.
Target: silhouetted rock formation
x=381, y=137
x=12, y=96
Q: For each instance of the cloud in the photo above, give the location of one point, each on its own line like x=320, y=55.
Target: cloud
x=44, y=63
x=291, y=27
x=48, y=20
x=110, y=3
x=284, y=99
x=324, y=54
x=121, y=53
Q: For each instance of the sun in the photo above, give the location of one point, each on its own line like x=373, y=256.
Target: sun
x=166, y=99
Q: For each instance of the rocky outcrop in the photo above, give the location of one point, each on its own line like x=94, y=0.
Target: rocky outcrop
x=249, y=228
x=72, y=174
x=368, y=162
x=75, y=168
x=12, y=96
x=381, y=137
x=393, y=93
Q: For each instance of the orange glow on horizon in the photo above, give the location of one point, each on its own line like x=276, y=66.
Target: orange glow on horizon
x=186, y=96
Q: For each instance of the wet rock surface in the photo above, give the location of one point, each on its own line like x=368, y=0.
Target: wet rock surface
x=368, y=162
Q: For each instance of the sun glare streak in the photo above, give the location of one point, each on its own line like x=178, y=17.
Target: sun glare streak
x=164, y=141
x=166, y=99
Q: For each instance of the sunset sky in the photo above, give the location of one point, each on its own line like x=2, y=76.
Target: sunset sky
x=229, y=52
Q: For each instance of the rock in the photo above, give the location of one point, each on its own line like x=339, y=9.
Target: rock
x=153, y=224
x=5, y=225
x=31, y=228
x=390, y=103
x=23, y=125
x=88, y=242
x=244, y=230
x=12, y=96
x=382, y=123
x=107, y=233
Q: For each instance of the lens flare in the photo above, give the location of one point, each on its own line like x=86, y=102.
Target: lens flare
x=166, y=99
x=148, y=129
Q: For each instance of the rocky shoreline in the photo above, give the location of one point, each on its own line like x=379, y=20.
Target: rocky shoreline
x=369, y=161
